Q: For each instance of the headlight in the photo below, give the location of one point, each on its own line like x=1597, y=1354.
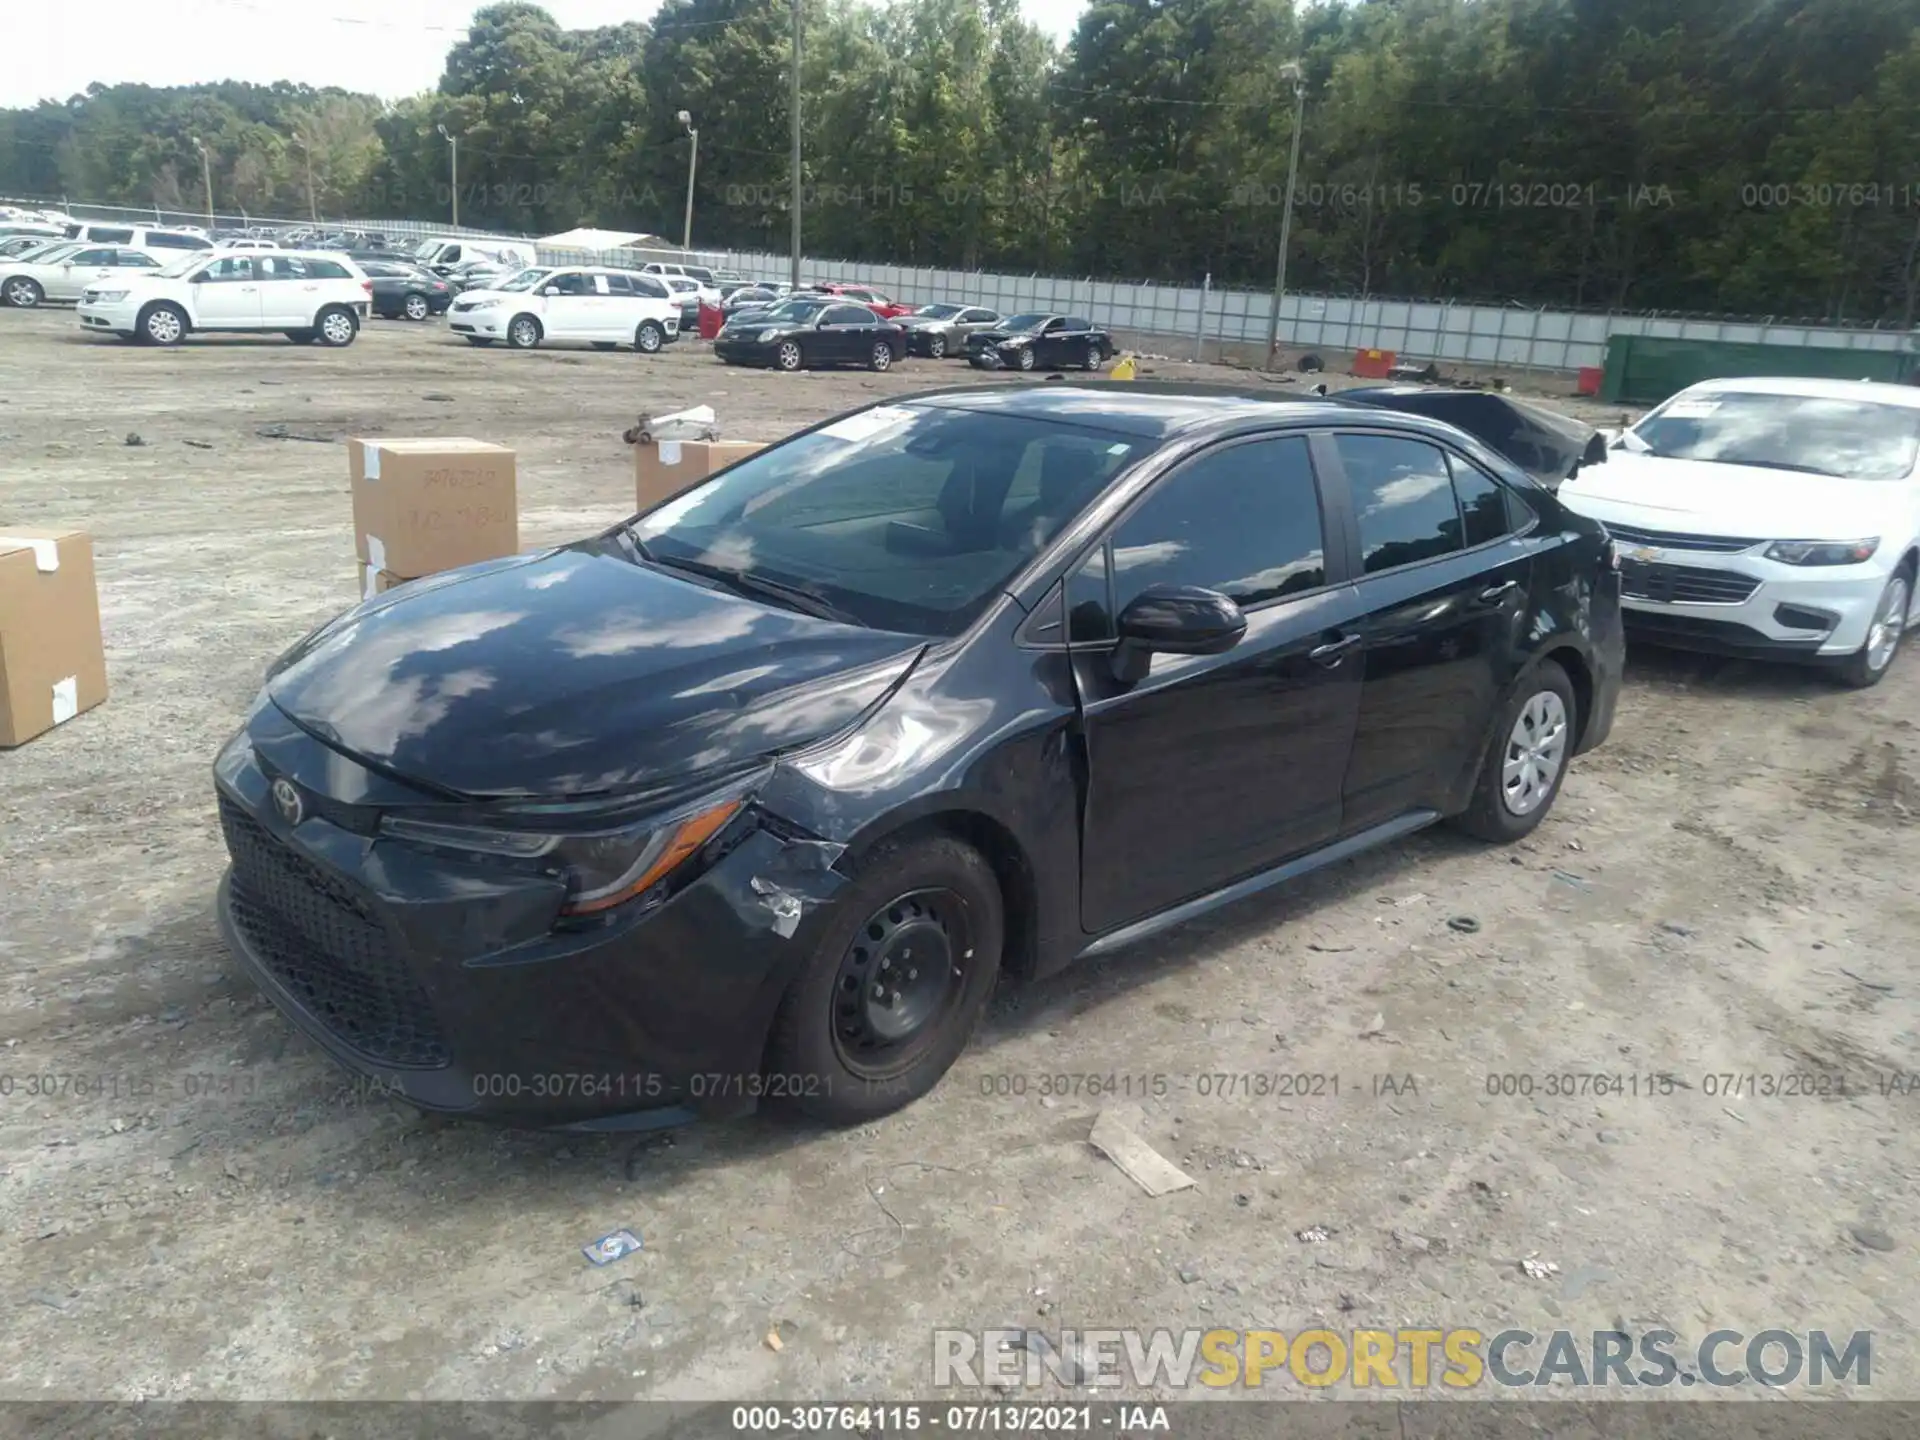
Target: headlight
x=109, y=296
x=772, y=332
x=601, y=869
x=1822, y=552
x=483, y=305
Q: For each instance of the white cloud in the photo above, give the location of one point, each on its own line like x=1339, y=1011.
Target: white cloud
x=390, y=48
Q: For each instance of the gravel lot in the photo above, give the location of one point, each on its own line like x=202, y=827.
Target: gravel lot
x=205, y=1207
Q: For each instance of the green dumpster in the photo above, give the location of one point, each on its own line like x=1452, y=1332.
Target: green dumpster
x=1646, y=369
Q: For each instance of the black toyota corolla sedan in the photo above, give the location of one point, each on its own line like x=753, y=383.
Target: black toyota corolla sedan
x=757, y=795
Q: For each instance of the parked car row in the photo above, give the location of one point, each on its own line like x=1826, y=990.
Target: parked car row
x=845, y=324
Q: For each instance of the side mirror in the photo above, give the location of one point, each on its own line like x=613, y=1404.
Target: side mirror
x=551, y=290
x=1175, y=620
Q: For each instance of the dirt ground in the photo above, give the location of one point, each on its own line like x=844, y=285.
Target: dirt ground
x=205, y=1208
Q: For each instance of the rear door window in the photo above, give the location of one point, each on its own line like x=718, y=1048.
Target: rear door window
x=1402, y=500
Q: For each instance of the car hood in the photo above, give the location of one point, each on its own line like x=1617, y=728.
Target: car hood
x=575, y=673
x=997, y=337
x=1702, y=497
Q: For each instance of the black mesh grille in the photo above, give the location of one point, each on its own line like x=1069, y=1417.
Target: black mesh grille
x=1684, y=584
x=320, y=940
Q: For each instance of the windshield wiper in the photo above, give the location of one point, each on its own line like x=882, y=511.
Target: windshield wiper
x=795, y=597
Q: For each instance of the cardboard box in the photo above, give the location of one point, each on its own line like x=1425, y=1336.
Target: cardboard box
x=662, y=470
x=52, y=663
x=376, y=582
x=420, y=506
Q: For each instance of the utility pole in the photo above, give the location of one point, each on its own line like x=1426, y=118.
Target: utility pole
x=693, y=164
x=313, y=209
x=794, y=176
x=453, y=163
x=206, y=174
x=1290, y=71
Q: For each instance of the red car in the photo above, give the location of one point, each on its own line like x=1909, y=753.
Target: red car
x=865, y=295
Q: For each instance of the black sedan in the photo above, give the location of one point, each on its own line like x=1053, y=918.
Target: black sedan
x=401, y=290
x=765, y=789
x=937, y=331
x=1040, y=341
x=810, y=332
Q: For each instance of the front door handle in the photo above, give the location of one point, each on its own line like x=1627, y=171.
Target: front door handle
x=1331, y=653
x=1494, y=594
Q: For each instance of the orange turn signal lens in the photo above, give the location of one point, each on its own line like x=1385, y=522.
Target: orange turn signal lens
x=682, y=840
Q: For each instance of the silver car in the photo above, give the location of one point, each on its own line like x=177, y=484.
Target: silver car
x=938, y=331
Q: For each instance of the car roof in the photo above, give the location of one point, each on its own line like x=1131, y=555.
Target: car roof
x=1136, y=408
x=1871, y=392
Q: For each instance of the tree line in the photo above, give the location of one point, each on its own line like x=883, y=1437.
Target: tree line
x=1732, y=156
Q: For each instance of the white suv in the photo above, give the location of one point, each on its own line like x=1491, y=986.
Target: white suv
x=306, y=294
x=700, y=275
x=601, y=306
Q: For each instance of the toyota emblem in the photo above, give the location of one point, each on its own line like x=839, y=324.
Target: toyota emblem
x=286, y=799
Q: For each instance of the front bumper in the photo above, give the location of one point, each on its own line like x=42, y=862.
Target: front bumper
x=1747, y=604
x=491, y=324
x=744, y=352
x=447, y=983
x=119, y=317
x=986, y=359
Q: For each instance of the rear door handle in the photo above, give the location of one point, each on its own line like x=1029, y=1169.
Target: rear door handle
x=1494, y=594
x=1331, y=653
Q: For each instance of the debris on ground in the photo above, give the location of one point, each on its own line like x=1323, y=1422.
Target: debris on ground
x=1376, y=1026
x=1188, y=1274
x=1313, y=1235
x=1538, y=1269
x=281, y=432
x=197, y=444
x=1406, y=370
x=609, y=1248
x=1872, y=1237
x=697, y=423
x=774, y=1342
x=1567, y=877
x=438, y=397
x=134, y=441
x=1862, y=980
x=1465, y=924
x=1116, y=1135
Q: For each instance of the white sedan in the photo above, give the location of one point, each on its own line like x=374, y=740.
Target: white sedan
x=1773, y=518
x=66, y=272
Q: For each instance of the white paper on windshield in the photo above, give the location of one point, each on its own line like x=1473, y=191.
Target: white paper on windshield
x=600, y=285
x=867, y=423
x=1692, y=408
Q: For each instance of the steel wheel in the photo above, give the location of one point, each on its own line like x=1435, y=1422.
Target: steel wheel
x=900, y=977
x=1536, y=749
x=417, y=307
x=23, y=292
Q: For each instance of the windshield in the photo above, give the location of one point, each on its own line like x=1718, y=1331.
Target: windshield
x=425, y=249
x=938, y=312
x=1853, y=439
x=193, y=259
x=50, y=254
x=1025, y=322
x=798, y=311
x=904, y=517
x=525, y=280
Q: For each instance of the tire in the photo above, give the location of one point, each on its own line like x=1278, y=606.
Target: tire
x=1026, y=360
x=417, y=307
x=163, y=324
x=789, y=356
x=303, y=337
x=1094, y=357
x=523, y=332
x=649, y=337
x=335, y=327
x=1310, y=365
x=828, y=1034
x=1512, y=796
x=1869, y=665
x=24, y=292
x=482, y=341
x=936, y=347
x=882, y=356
